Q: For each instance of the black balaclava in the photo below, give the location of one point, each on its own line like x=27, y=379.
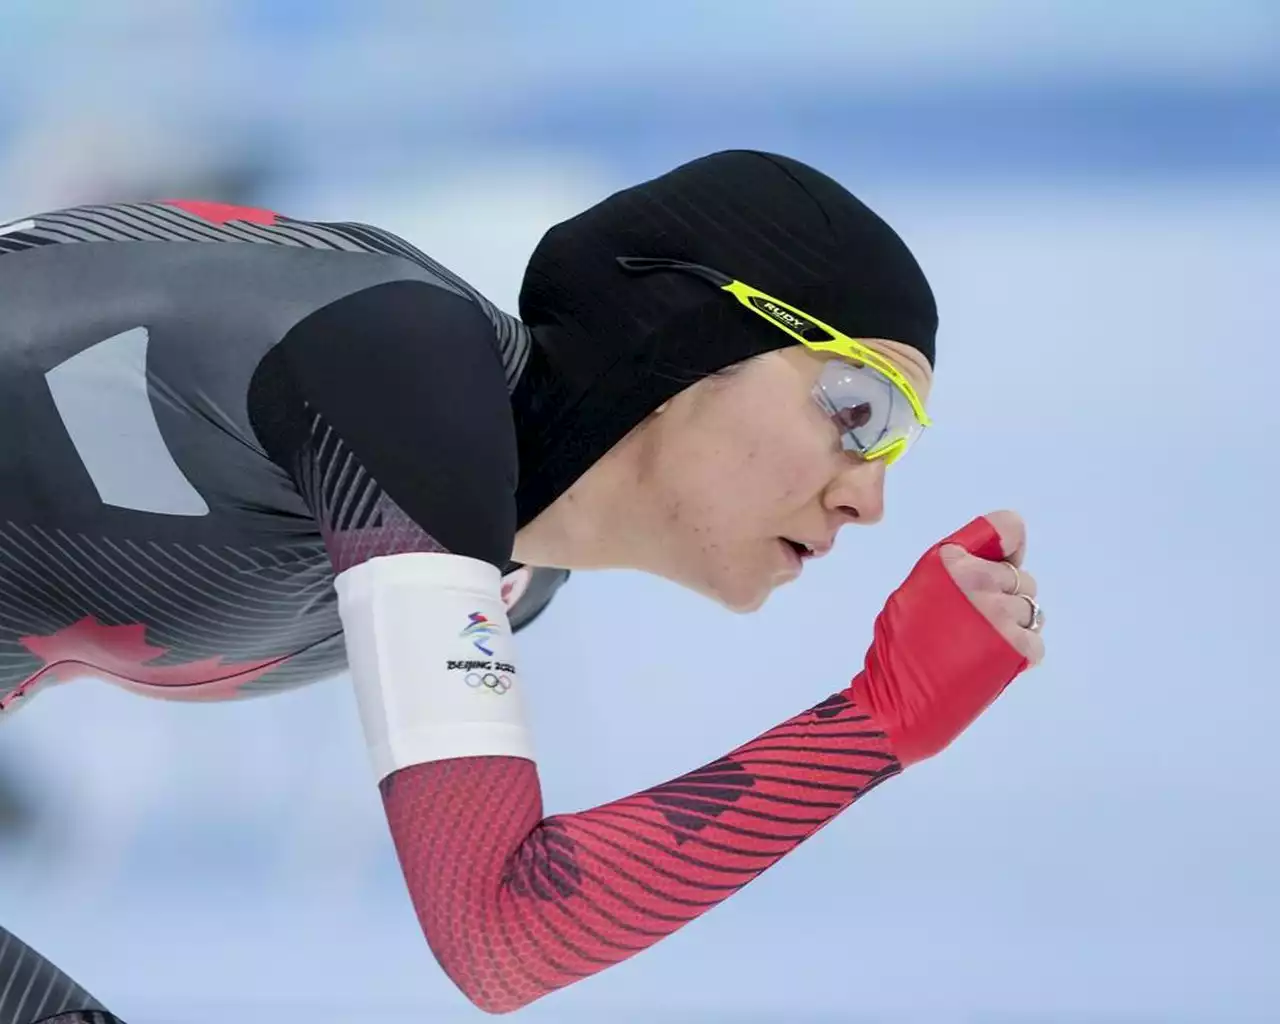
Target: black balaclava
x=609, y=347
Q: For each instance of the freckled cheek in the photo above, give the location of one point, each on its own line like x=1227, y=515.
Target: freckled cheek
x=733, y=497
x=791, y=478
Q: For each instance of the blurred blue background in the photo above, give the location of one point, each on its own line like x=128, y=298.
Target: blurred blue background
x=1092, y=188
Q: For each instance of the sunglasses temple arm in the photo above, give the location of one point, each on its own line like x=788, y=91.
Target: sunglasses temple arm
x=649, y=264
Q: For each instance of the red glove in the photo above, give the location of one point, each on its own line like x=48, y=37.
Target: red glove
x=950, y=639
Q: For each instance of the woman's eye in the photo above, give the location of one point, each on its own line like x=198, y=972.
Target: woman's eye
x=853, y=417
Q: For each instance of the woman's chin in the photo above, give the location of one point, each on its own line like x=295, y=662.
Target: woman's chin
x=746, y=596
x=737, y=592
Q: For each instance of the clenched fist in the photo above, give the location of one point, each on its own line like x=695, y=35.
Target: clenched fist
x=1000, y=589
x=961, y=627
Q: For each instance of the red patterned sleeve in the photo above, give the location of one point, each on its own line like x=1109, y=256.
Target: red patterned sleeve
x=515, y=905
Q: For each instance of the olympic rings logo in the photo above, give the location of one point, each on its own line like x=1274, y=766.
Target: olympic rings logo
x=498, y=682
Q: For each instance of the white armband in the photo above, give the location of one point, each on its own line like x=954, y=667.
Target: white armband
x=433, y=660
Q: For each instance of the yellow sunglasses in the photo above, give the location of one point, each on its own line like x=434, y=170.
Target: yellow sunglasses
x=867, y=413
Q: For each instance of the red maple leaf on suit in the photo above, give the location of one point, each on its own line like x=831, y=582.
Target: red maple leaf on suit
x=123, y=655
x=222, y=213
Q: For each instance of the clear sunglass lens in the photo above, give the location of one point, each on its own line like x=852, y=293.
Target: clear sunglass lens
x=867, y=408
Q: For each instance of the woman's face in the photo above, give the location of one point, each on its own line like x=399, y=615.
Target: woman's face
x=736, y=467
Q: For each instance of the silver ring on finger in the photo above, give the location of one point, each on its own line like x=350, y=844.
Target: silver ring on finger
x=1037, y=614
x=1017, y=581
